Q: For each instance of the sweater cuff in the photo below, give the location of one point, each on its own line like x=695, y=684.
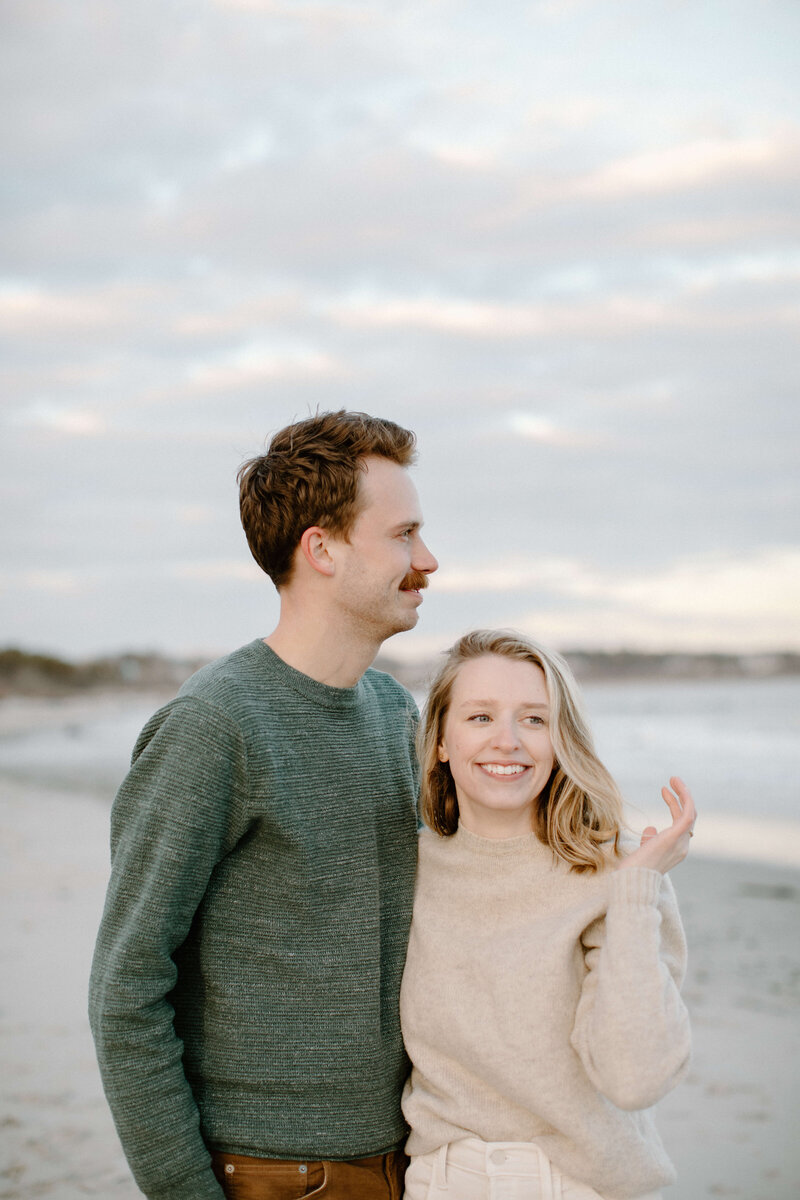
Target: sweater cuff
x=636, y=885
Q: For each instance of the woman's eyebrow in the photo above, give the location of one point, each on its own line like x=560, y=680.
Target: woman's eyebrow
x=489, y=703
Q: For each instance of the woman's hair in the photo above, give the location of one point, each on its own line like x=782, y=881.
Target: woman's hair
x=580, y=810
x=311, y=475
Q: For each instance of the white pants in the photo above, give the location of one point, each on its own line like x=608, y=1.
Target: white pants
x=474, y=1170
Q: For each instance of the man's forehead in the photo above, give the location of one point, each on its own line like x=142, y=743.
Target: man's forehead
x=380, y=477
x=386, y=487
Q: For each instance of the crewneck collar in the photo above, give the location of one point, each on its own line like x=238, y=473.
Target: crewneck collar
x=498, y=847
x=343, y=699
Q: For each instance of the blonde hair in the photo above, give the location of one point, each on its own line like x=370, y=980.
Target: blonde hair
x=580, y=810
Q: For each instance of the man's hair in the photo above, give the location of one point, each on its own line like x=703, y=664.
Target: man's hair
x=311, y=475
x=580, y=810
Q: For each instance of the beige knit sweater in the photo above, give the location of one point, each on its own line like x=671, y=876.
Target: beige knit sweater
x=539, y=1005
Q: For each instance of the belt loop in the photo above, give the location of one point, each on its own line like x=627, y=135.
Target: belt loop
x=440, y=1168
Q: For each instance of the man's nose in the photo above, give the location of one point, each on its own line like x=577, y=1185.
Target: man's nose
x=423, y=559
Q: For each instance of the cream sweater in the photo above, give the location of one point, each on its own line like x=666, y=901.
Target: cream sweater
x=539, y=1005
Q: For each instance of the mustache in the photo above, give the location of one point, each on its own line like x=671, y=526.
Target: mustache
x=414, y=581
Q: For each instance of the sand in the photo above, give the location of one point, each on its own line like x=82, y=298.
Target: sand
x=731, y=1128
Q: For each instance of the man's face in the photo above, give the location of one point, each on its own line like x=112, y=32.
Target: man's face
x=383, y=567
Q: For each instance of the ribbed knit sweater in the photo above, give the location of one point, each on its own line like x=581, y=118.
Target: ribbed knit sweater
x=539, y=1005
x=244, y=992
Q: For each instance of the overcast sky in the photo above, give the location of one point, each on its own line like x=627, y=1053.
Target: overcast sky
x=558, y=239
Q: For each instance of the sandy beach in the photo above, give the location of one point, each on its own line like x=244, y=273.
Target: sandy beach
x=730, y=1129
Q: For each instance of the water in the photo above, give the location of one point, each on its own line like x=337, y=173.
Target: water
x=736, y=743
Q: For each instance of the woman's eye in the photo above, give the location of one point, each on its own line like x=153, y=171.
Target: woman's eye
x=481, y=717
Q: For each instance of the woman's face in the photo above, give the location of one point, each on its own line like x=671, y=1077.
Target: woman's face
x=496, y=740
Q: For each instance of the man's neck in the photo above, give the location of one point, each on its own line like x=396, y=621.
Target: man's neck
x=321, y=652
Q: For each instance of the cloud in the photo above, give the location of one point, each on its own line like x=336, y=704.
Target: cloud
x=707, y=601
x=40, y=313
x=690, y=165
x=763, y=587
x=229, y=314
x=217, y=571
x=26, y=308
x=255, y=363
x=561, y=575
x=609, y=315
x=566, y=259
x=48, y=581
x=321, y=14
x=61, y=419
x=536, y=428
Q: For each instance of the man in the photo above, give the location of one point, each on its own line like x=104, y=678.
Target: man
x=244, y=994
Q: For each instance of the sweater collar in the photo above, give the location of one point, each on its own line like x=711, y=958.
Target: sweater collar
x=473, y=843
x=343, y=699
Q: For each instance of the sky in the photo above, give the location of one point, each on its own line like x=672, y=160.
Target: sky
x=557, y=239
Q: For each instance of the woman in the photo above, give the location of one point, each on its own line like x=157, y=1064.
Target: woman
x=540, y=1000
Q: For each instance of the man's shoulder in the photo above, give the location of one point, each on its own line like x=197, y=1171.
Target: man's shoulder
x=388, y=690
x=229, y=675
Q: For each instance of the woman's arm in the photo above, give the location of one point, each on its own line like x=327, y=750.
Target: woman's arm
x=631, y=1027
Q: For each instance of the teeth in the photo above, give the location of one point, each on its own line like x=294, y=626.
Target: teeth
x=497, y=769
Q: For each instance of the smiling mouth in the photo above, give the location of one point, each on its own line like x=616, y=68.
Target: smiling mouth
x=505, y=770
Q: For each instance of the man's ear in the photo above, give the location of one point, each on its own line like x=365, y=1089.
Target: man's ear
x=314, y=548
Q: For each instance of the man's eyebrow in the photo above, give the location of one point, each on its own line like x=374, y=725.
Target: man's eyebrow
x=416, y=524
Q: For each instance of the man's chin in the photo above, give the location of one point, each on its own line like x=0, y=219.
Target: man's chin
x=402, y=625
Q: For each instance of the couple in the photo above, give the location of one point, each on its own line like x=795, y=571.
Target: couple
x=246, y=989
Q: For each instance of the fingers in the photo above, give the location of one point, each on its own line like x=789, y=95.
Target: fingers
x=673, y=804
x=687, y=801
x=663, y=851
x=680, y=803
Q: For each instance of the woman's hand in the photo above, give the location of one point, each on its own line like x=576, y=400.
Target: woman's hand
x=663, y=851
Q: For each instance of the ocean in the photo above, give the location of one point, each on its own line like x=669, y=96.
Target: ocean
x=736, y=743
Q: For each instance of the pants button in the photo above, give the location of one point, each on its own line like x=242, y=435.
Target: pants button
x=498, y=1156
x=302, y=1168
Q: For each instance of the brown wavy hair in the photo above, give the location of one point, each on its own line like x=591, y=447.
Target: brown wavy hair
x=310, y=475
x=579, y=813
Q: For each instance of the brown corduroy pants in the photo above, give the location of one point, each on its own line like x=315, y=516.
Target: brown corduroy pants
x=244, y=1178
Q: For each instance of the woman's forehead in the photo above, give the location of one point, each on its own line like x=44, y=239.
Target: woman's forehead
x=498, y=675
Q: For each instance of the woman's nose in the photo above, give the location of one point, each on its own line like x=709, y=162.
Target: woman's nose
x=505, y=735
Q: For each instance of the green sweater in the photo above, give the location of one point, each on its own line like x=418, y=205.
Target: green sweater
x=244, y=992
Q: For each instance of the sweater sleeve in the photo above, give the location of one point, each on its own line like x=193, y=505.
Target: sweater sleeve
x=631, y=1027
x=177, y=813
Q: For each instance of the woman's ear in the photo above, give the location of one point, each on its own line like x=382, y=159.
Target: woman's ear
x=442, y=752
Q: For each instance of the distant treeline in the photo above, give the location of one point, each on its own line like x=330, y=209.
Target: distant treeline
x=597, y=666
x=25, y=673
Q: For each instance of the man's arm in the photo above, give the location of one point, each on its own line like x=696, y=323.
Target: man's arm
x=178, y=812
